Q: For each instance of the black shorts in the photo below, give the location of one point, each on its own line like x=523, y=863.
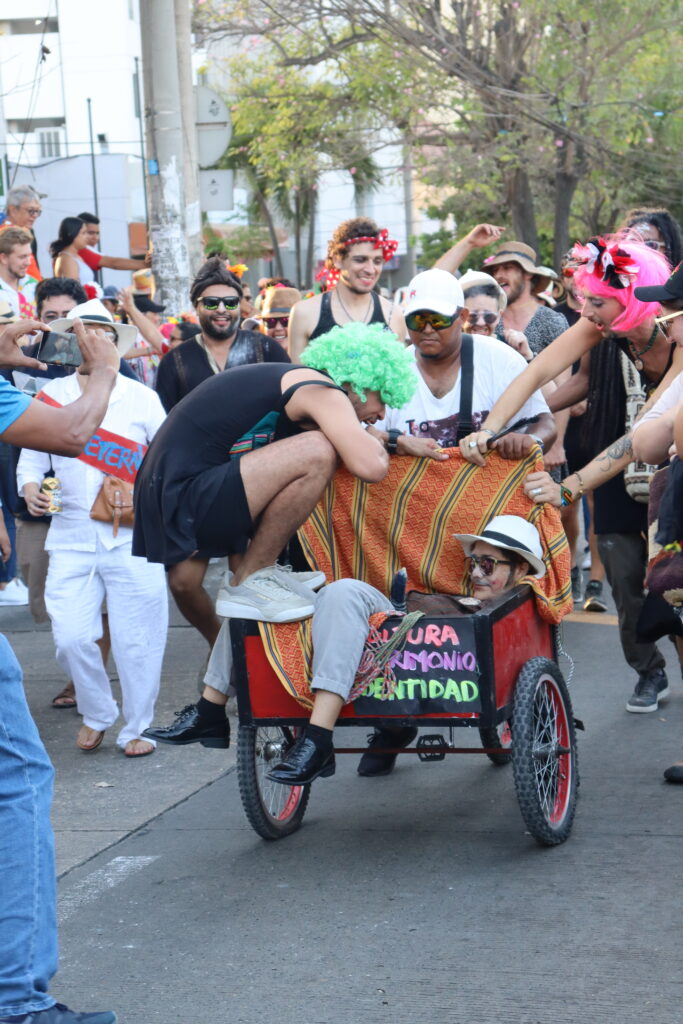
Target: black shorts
x=223, y=523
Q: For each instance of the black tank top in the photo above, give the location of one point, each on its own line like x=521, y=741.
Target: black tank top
x=326, y=321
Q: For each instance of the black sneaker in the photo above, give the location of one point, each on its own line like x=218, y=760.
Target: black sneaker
x=577, y=592
x=593, y=599
x=191, y=727
x=374, y=761
x=650, y=689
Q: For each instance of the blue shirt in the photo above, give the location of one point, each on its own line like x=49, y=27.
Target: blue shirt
x=12, y=404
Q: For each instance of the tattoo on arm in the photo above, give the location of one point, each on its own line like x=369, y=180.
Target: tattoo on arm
x=617, y=450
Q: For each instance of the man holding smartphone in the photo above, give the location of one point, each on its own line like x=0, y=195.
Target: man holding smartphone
x=28, y=927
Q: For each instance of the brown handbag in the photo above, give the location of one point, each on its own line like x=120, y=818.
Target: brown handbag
x=114, y=503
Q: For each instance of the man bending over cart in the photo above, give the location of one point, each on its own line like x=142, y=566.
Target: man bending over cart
x=508, y=549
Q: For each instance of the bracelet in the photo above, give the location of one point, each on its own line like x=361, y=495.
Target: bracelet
x=487, y=430
x=578, y=477
x=392, y=440
x=539, y=441
x=566, y=496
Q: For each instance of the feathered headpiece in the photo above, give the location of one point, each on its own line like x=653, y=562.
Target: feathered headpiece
x=613, y=265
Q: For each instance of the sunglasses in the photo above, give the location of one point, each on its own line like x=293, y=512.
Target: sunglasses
x=272, y=322
x=475, y=315
x=213, y=302
x=418, y=321
x=487, y=563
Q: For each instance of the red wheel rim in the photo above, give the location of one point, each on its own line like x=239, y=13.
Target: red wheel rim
x=553, y=769
x=290, y=804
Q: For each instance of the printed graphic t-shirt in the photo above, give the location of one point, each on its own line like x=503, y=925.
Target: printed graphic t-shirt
x=495, y=366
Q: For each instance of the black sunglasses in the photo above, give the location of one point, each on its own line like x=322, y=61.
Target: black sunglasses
x=213, y=302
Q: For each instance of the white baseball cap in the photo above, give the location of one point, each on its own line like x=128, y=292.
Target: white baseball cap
x=510, y=533
x=435, y=291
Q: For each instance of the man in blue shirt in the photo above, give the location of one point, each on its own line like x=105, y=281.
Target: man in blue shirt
x=28, y=925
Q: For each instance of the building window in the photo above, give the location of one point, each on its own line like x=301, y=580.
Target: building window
x=50, y=144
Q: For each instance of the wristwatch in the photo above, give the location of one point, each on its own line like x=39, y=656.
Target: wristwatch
x=392, y=441
x=539, y=441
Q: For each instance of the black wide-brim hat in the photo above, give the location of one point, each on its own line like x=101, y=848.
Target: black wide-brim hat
x=670, y=291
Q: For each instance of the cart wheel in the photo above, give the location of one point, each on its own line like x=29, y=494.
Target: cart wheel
x=544, y=758
x=501, y=736
x=273, y=810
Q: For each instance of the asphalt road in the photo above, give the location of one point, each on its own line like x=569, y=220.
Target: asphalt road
x=417, y=897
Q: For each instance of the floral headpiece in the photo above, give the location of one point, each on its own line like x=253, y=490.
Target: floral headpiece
x=238, y=270
x=330, y=275
x=616, y=267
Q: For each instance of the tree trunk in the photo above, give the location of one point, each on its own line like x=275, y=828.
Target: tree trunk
x=310, y=245
x=521, y=205
x=565, y=187
x=297, y=235
x=265, y=211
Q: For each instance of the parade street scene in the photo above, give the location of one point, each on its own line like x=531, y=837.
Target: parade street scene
x=341, y=532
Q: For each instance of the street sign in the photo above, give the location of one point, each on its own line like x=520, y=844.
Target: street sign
x=216, y=190
x=214, y=129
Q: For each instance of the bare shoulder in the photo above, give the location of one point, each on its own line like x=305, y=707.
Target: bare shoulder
x=307, y=311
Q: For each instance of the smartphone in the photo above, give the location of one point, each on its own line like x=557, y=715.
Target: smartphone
x=61, y=349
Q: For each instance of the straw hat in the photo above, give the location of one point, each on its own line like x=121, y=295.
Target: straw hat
x=278, y=302
x=475, y=278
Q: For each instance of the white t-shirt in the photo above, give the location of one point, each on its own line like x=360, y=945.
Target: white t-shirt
x=672, y=397
x=495, y=366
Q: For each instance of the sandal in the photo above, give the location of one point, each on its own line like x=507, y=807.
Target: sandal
x=88, y=747
x=66, y=698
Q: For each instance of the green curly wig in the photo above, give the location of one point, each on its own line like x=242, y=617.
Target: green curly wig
x=369, y=358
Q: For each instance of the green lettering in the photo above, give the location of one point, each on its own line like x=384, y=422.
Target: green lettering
x=451, y=691
x=469, y=690
x=435, y=689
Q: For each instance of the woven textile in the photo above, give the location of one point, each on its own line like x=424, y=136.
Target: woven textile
x=369, y=531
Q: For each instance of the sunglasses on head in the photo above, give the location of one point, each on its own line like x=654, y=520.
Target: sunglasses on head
x=487, y=563
x=475, y=315
x=439, y=321
x=272, y=322
x=213, y=302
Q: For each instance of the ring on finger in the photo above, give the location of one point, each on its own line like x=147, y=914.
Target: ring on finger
x=536, y=490
x=472, y=444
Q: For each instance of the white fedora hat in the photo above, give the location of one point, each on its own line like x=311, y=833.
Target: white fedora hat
x=510, y=533
x=93, y=312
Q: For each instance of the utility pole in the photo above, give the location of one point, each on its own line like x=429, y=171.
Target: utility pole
x=408, y=208
x=193, y=223
x=165, y=153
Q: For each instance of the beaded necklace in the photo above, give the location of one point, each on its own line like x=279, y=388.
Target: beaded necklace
x=638, y=353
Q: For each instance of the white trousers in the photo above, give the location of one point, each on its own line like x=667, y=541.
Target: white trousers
x=137, y=604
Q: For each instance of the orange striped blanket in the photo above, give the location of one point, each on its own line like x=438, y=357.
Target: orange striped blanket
x=369, y=531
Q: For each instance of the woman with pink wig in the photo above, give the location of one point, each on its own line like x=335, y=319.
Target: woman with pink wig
x=606, y=271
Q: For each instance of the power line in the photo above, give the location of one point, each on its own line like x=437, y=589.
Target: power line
x=33, y=99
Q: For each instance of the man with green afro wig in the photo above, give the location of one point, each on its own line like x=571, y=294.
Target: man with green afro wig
x=366, y=358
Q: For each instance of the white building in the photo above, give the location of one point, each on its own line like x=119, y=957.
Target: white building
x=54, y=56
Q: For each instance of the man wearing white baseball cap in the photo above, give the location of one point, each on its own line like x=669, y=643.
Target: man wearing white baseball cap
x=460, y=377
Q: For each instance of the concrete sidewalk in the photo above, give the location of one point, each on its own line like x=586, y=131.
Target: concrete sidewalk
x=103, y=796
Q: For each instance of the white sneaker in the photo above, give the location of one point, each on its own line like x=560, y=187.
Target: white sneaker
x=266, y=597
x=15, y=593
x=311, y=580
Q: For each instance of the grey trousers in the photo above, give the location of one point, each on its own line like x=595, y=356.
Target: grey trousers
x=624, y=556
x=340, y=628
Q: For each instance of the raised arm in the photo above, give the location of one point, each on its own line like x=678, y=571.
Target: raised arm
x=478, y=238
x=149, y=332
x=559, y=355
x=66, y=431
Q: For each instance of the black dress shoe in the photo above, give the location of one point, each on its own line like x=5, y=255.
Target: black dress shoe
x=190, y=727
x=674, y=774
x=374, y=761
x=304, y=762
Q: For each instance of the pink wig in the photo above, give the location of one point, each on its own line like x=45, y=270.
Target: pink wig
x=653, y=269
